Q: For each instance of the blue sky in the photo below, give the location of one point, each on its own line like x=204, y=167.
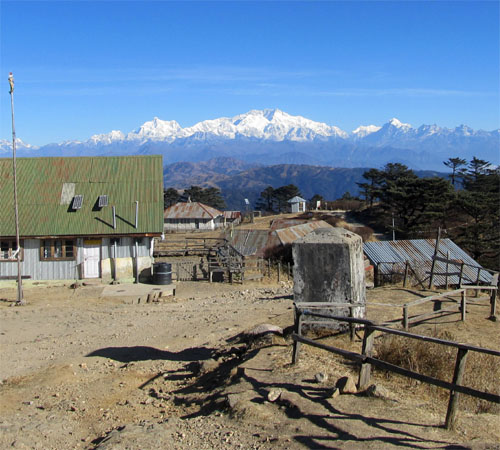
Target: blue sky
x=86, y=67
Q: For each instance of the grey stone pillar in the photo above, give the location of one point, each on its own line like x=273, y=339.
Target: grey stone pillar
x=329, y=267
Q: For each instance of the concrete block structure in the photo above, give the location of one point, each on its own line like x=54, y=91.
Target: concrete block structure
x=329, y=268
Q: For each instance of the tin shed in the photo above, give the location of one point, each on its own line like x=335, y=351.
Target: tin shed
x=85, y=217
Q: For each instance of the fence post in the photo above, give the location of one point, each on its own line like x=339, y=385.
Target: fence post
x=476, y=294
x=406, y=273
x=405, y=317
x=461, y=275
x=289, y=272
x=447, y=268
x=367, y=350
x=493, y=304
x=457, y=379
x=352, y=326
x=436, y=251
x=298, y=330
x=464, y=304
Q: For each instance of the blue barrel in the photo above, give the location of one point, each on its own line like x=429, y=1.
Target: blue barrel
x=162, y=273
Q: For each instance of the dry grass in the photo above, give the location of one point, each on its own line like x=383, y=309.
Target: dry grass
x=438, y=361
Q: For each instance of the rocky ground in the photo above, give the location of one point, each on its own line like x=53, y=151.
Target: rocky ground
x=80, y=370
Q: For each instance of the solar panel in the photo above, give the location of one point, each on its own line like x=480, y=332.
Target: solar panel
x=77, y=201
x=103, y=201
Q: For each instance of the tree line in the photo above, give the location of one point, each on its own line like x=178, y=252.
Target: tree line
x=466, y=206
x=208, y=196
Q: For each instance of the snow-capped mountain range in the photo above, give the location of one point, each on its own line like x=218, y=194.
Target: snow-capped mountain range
x=273, y=136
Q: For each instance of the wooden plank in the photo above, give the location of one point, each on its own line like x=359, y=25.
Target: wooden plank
x=434, y=381
x=457, y=379
x=436, y=340
x=456, y=262
x=341, y=318
x=338, y=351
x=303, y=305
x=399, y=370
x=419, y=301
x=482, y=288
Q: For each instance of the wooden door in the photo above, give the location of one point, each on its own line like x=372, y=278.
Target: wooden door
x=91, y=258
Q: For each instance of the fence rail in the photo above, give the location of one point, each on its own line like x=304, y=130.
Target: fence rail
x=365, y=359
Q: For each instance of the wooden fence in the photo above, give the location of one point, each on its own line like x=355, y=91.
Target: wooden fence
x=407, y=320
x=366, y=360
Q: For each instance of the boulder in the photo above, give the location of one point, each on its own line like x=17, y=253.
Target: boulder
x=346, y=385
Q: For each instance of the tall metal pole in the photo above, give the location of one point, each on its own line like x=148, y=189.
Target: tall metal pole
x=20, y=299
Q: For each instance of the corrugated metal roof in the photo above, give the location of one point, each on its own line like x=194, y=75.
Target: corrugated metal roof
x=232, y=214
x=191, y=210
x=291, y=234
x=419, y=253
x=43, y=187
x=277, y=224
x=250, y=242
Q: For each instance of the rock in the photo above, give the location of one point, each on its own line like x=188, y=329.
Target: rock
x=321, y=377
x=232, y=400
x=265, y=328
x=378, y=391
x=206, y=366
x=333, y=393
x=346, y=385
x=272, y=394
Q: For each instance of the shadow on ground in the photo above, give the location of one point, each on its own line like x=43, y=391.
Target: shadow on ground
x=141, y=353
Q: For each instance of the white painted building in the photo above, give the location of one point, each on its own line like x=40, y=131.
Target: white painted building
x=192, y=216
x=297, y=204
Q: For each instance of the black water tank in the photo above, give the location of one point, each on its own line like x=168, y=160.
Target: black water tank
x=162, y=273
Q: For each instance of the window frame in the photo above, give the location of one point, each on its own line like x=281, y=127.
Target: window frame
x=11, y=249
x=64, y=247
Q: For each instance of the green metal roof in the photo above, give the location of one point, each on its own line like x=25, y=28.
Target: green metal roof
x=45, y=211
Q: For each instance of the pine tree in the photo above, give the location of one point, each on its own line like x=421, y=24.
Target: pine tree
x=454, y=164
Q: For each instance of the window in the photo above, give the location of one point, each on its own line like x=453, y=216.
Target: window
x=57, y=249
x=8, y=249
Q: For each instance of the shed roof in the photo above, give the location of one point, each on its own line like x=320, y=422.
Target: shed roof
x=191, y=210
x=291, y=234
x=420, y=252
x=297, y=199
x=46, y=188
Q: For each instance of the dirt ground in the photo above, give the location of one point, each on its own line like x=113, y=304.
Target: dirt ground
x=82, y=370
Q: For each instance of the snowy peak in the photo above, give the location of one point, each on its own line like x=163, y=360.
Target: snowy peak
x=398, y=124
x=156, y=129
x=365, y=130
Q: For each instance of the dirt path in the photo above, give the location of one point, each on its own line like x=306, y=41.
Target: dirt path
x=82, y=371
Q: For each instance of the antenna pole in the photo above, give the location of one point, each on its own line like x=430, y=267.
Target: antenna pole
x=20, y=299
